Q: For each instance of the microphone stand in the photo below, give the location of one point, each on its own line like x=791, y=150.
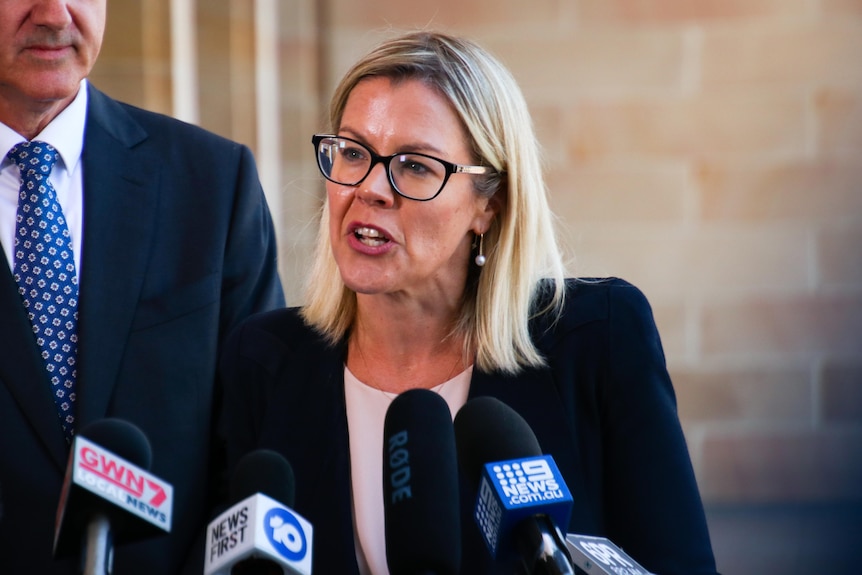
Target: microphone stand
x=542, y=548
x=98, y=556
x=257, y=566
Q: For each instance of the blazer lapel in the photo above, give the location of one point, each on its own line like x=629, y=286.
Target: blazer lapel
x=22, y=370
x=121, y=185
x=324, y=420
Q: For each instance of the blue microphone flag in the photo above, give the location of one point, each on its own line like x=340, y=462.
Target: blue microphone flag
x=513, y=490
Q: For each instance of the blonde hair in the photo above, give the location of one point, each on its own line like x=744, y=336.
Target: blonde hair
x=524, y=264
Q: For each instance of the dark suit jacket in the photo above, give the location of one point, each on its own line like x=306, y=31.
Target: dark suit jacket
x=178, y=247
x=604, y=408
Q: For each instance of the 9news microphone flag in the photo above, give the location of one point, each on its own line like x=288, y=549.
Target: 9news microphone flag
x=522, y=496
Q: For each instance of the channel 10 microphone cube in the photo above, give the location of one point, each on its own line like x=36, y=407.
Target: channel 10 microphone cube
x=259, y=527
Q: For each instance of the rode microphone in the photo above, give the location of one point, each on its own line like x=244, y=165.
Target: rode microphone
x=521, y=493
x=421, y=506
x=260, y=535
x=109, y=497
x=600, y=556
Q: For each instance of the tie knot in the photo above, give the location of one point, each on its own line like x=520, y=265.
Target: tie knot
x=34, y=158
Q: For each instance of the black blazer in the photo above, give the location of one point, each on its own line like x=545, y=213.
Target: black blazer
x=604, y=408
x=178, y=247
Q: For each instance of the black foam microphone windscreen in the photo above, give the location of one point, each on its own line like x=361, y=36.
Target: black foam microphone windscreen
x=420, y=486
x=263, y=471
x=486, y=430
x=122, y=438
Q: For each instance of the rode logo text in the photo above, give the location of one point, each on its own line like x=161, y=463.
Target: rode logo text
x=399, y=463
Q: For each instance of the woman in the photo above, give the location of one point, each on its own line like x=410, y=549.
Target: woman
x=437, y=268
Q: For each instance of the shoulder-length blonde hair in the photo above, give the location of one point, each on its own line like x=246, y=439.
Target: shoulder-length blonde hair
x=521, y=246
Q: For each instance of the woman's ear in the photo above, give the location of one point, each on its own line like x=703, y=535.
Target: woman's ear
x=496, y=202
x=493, y=207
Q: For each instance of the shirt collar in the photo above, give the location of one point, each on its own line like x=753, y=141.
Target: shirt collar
x=64, y=132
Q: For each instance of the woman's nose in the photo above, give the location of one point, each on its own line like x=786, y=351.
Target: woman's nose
x=376, y=187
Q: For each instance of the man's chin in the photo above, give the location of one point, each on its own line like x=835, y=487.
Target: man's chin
x=50, y=88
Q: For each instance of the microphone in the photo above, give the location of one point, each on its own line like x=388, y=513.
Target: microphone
x=600, y=556
x=108, y=496
x=420, y=486
x=521, y=493
x=260, y=535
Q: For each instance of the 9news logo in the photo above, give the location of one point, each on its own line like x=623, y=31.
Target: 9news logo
x=509, y=474
x=527, y=481
x=285, y=534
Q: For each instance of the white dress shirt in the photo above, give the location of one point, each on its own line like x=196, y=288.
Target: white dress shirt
x=66, y=134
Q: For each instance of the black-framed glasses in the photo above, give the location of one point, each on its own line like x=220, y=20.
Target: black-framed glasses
x=413, y=175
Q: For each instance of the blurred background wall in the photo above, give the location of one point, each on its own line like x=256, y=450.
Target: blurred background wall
x=710, y=151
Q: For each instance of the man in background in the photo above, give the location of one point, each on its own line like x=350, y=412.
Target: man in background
x=160, y=241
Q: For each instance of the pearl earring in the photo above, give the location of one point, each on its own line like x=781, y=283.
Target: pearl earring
x=480, y=257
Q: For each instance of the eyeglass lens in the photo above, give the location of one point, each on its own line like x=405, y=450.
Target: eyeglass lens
x=413, y=175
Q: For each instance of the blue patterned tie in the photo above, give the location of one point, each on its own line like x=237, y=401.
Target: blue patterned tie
x=45, y=272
